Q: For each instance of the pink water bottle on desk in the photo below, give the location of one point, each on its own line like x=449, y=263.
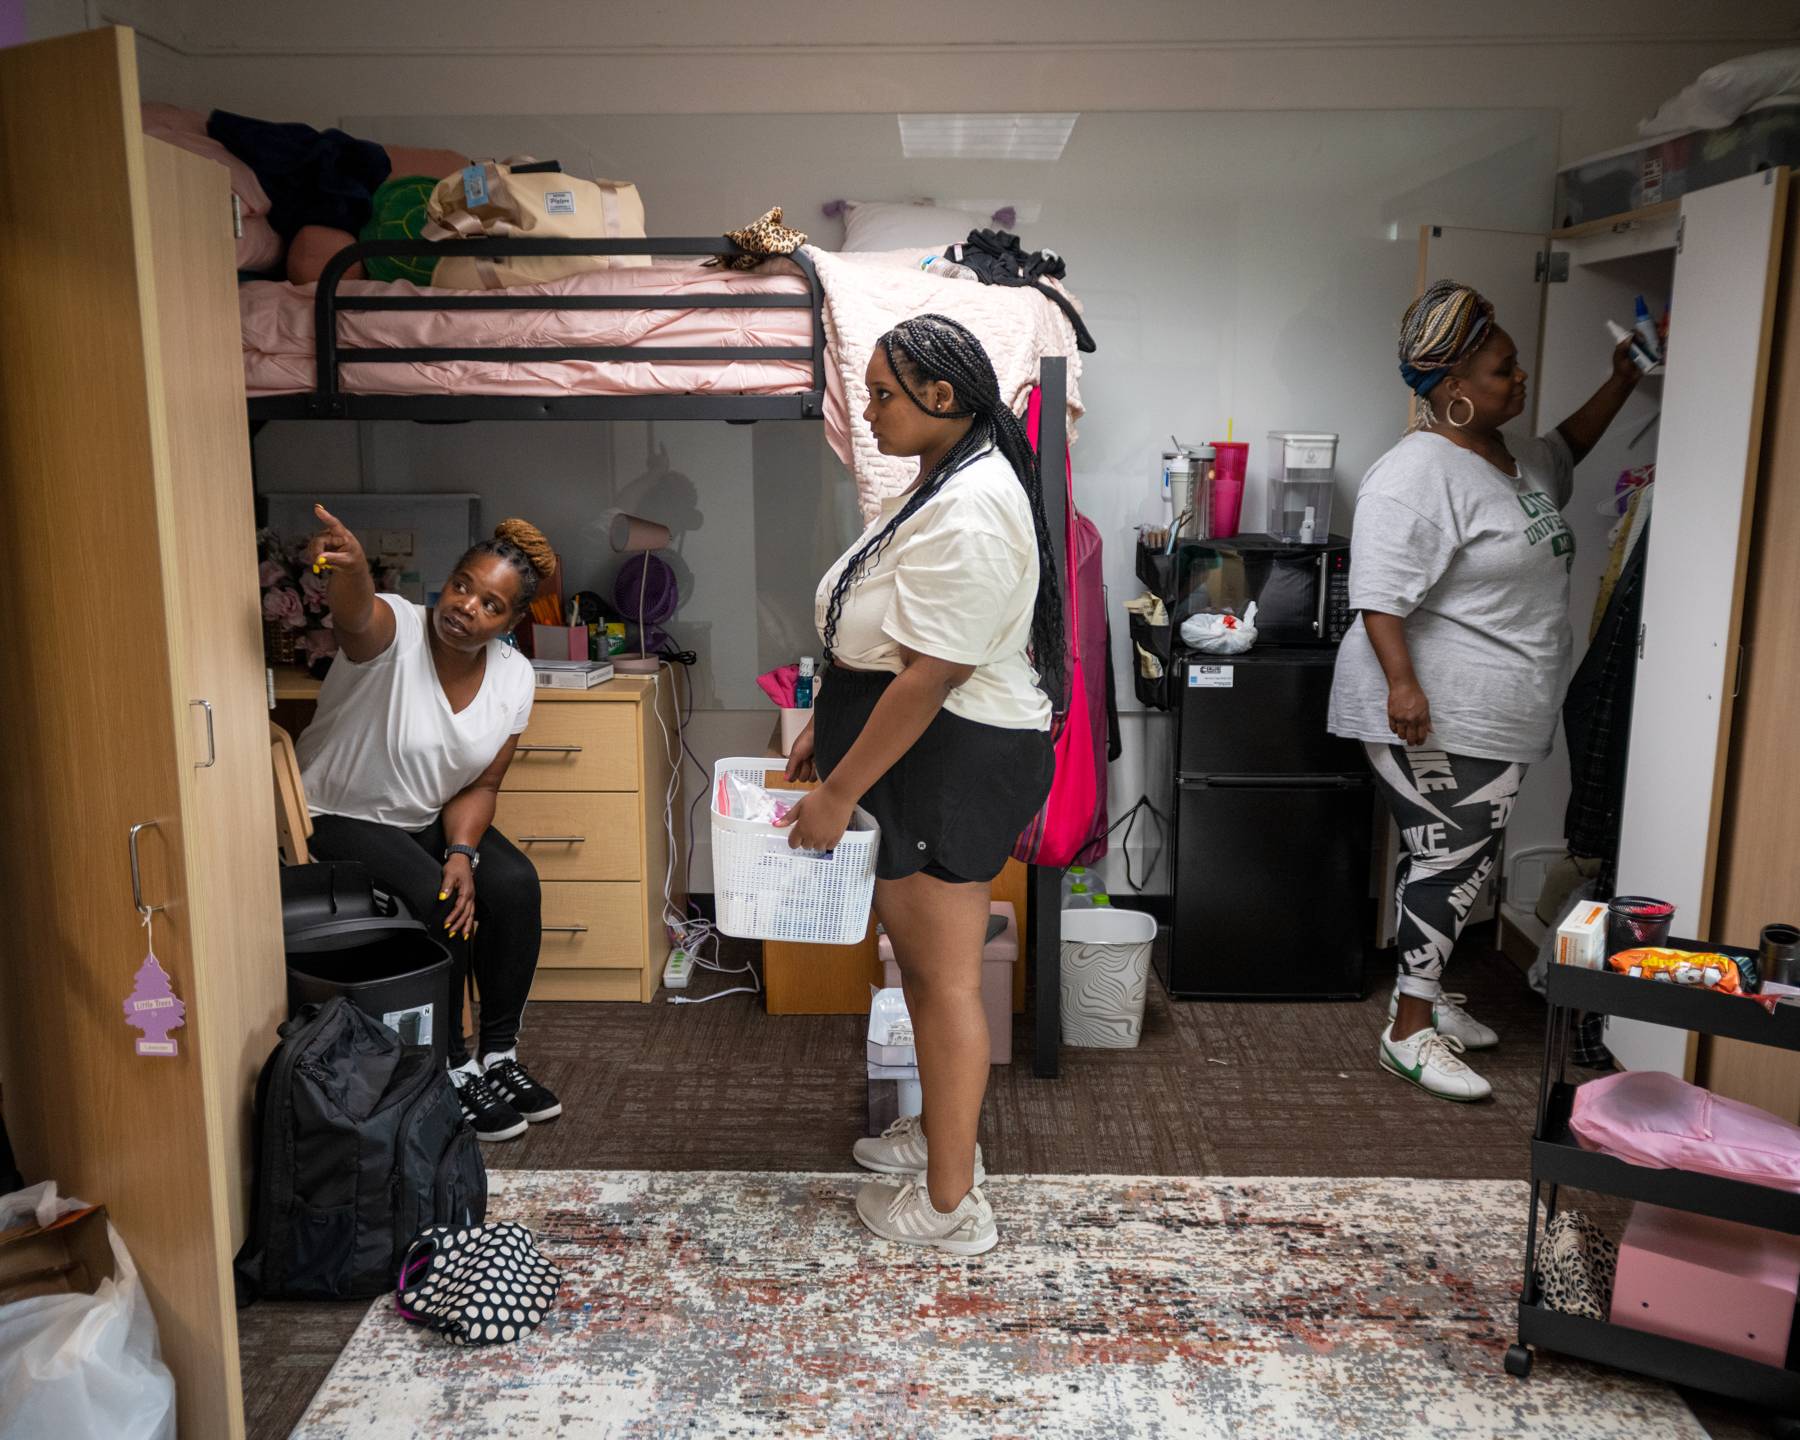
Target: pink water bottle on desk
x=1228, y=486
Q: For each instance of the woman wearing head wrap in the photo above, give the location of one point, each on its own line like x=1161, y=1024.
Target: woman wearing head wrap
x=1459, y=570
x=933, y=718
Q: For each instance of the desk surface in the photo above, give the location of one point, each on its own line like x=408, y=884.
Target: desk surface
x=293, y=683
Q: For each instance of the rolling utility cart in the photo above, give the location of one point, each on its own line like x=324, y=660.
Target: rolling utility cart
x=1556, y=1161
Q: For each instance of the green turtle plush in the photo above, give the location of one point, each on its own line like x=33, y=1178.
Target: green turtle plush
x=399, y=206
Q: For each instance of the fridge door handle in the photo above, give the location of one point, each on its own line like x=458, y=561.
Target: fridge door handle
x=1324, y=587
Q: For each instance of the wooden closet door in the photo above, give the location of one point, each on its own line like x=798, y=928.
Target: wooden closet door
x=207, y=526
x=1721, y=314
x=89, y=727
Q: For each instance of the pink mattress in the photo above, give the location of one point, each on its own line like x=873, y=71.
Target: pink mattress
x=278, y=338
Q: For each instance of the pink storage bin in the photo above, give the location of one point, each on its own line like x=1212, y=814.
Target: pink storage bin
x=1648, y=1118
x=997, y=958
x=1709, y=1282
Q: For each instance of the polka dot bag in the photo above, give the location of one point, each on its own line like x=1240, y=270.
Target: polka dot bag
x=476, y=1284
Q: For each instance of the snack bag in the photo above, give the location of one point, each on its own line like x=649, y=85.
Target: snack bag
x=1681, y=967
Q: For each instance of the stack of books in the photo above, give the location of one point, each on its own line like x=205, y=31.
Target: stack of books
x=571, y=674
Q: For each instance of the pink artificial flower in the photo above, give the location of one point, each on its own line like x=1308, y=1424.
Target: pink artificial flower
x=312, y=586
x=318, y=644
x=283, y=604
x=269, y=573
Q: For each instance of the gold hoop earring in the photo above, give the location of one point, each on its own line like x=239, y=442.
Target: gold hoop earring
x=1450, y=416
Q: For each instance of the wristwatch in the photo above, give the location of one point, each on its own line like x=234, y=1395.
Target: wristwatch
x=469, y=850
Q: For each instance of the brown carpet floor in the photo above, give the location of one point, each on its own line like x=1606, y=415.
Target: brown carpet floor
x=1213, y=1089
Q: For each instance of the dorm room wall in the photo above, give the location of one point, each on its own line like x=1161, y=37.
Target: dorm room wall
x=1596, y=71
x=1213, y=288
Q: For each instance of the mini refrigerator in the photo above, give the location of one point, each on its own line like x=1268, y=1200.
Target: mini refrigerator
x=1273, y=832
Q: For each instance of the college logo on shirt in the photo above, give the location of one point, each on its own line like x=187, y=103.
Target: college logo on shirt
x=1546, y=523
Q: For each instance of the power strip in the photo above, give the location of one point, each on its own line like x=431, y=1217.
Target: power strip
x=677, y=970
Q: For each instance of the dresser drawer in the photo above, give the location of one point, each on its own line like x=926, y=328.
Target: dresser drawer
x=576, y=745
x=590, y=836
x=593, y=925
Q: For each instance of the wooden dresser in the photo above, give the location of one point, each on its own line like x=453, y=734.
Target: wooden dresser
x=584, y=798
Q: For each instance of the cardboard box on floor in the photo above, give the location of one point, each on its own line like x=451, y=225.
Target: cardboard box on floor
x=68, y=1257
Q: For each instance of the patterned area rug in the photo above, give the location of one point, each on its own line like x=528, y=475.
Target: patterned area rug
x=709, y=1303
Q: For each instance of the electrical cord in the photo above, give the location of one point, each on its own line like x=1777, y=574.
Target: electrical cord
x=1128, y=820
x=692, y=931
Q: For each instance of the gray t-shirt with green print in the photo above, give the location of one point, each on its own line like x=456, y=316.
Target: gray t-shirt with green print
x=1477, y=561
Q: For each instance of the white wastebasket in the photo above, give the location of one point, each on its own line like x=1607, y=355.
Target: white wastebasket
x=1105, y=976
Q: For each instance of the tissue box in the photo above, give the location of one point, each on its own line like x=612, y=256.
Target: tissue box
x=1710, y=1282
x=1581, y=938
x=559, y=642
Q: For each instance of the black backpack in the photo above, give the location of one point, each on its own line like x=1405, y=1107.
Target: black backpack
x=997, y=258
x=361, y=1144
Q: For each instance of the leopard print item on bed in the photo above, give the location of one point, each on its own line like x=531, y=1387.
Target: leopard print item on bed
x=767, y=238
x=1576, y=1264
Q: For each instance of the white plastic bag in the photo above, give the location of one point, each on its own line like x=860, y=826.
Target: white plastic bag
x=1215, y=634
x=73, y=1366
x=741, y=799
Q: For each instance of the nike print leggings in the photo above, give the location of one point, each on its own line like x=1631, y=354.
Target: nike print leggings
x=1452, y=812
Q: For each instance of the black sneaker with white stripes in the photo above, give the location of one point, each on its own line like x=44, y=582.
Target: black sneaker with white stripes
x=529, y=1098
x=487, y=1109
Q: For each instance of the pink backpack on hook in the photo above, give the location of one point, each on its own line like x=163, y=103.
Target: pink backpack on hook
x=1071, y=828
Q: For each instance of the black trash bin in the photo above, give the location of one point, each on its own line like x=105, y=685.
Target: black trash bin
x=346, y=936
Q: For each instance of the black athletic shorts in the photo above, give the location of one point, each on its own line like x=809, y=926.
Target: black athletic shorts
x=955, y=804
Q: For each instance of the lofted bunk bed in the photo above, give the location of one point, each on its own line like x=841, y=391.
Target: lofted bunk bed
x=671, y=340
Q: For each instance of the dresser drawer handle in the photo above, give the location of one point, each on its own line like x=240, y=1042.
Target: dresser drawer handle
x=563, y=929
x=549, y=749
x=552, y=840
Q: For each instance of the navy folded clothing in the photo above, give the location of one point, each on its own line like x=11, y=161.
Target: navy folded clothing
x=313, y=177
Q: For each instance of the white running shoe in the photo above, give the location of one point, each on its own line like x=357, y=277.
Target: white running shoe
x=1448, y=1015
x=903, y=1213
x=901, y=1150
x=1430, y=1061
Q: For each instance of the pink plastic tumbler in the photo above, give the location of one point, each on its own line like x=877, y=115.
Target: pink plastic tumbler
x=1228, y=486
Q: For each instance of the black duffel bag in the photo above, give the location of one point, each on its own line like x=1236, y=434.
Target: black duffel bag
x=361, y=1144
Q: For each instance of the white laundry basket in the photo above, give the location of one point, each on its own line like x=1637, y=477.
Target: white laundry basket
x=766, y=891
x=1105, y=976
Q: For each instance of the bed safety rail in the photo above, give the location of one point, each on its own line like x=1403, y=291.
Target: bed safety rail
x=328, y=400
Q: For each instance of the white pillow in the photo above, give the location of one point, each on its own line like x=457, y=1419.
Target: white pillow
x=874, y=226
x=1725, y=92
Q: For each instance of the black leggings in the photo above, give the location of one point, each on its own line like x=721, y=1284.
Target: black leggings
x=508, y=903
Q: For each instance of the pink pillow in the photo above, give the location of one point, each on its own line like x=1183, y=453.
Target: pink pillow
x=1647, y=1118
x=259, y=247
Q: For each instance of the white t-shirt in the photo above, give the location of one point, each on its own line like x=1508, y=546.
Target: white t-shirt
x=1477, y=562
x=958, y=582
x=385, y=745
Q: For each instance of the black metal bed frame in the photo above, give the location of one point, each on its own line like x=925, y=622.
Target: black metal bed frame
x=328, y=400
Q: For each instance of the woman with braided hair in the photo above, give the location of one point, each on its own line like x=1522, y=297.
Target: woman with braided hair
x=418, y=719
x=1459, y=569
x=932, y=716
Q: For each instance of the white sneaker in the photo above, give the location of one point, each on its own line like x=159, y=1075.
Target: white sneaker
x=1449, y=1017
x=1429, y=1060
x=904, y=1214
x=901, y=1150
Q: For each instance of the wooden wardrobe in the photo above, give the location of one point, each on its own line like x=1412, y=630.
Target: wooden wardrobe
x=135, y=690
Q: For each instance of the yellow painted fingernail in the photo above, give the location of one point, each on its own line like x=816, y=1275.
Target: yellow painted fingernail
x=443, y=894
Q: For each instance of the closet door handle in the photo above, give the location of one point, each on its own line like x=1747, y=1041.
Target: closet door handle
x=137, y=877
x=212, y=749
x=551, y=840
x=563, y=929
x=549, y=750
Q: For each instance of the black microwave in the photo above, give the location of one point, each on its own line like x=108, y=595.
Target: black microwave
x=1301, y=592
